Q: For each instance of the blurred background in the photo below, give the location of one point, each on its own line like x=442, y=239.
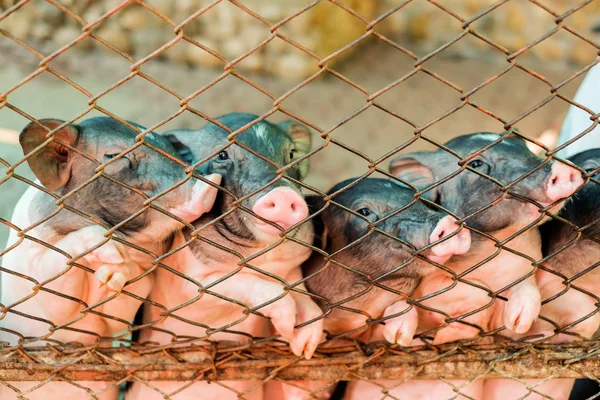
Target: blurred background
x=395, y=66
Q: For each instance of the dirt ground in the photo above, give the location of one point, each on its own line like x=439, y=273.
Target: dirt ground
x=324, y=102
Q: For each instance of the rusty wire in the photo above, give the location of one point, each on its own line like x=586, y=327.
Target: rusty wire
x=190, y=359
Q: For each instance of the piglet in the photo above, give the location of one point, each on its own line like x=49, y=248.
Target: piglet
x=211, y=303
x=570, y=253
x=573, y=256
x=508, y=217
x=506, y=240
x=372, y=229
x=45, y=293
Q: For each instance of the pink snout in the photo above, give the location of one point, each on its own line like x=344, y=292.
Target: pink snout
x=201, y=199
x=283, y=206
x=457, y=244
x=563, y=182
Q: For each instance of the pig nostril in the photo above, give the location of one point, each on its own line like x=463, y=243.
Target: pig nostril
x=293, y=205
x=441, y=234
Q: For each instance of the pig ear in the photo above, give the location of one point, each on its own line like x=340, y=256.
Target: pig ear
x=50, y=164
x=302, y=139
x=183, y=151
x=410, y=168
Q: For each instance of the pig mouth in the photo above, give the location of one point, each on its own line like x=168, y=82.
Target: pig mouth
x=544, y=204
x=438, y=259
x=270, y=230
x=535, y=202
x=400, y=247
x=406, y=253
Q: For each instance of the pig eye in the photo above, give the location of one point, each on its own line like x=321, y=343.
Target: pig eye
x=120, y=163
x=293, y=153
x=475, y=164
x=365, y=212
x=223, y=155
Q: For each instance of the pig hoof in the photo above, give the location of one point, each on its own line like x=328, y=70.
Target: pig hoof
x=519, y=321
x=398, y=332
x=400, y=329
x=522, y=310
x=114, y=277
x=306, y=339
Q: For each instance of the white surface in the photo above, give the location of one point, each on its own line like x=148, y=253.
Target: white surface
x=9, y=136
x=578, y=120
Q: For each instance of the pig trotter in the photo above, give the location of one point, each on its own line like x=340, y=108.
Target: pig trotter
x=282, y=312
x=115, y=267
x=115, y=276
x=400, y=329
x=306, y=339
x=522, y=308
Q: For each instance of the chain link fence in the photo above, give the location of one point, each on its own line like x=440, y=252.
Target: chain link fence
x=120, y=232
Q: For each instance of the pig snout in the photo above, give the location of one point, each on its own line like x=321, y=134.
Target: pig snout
x=282, y=206
x=457, y=244
x=563, y=182
x=200, y=200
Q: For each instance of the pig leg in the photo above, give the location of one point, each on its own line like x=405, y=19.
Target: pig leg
x=73, y=282
x=254, y=292
x=523, y=306
x=460, y=300
x=435, y=389
x=113, y=277
x=305, y=340
x=123, y=306
x=401, y=330
x=564, y=310
x=520, y=312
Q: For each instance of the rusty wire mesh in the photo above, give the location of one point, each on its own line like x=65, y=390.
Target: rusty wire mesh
x=188, y=359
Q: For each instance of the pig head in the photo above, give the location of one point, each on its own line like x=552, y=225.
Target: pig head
x=481, y=183
x=132, y=174
x=270, y=199
x=581, y=211
x=500, y=193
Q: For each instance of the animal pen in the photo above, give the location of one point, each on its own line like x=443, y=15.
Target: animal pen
x=488, y=355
